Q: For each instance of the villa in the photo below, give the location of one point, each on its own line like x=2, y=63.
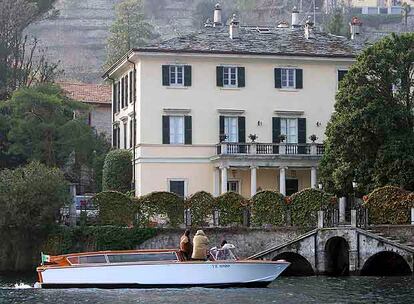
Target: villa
x=229, y=107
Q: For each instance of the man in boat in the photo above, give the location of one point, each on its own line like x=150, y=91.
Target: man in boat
x=185, y=245
x=200, y=243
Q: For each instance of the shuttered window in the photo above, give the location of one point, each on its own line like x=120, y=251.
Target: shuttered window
x=289, y=127
x=231, y=77
x=176, y=75
x=177, y=187
x=177, y=130
x=288, y=78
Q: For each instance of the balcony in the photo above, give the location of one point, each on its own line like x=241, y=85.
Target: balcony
x=258, y=149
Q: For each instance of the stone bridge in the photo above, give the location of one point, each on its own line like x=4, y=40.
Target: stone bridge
x=342, y=251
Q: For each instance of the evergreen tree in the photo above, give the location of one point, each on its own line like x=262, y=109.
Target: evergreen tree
x=370, y=137
x=336, y=24
x=130, y=30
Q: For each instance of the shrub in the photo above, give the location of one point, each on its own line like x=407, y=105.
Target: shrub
x=114, y=208
x=268, y=207
x=201, y=205
x=165, y=204
x=304, y=207
x=231, y=206
x=117, y=171
x=389, y=205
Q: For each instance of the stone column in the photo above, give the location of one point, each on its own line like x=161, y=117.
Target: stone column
x=216, y=182
x=314, y=178
x=253, y=181
x=72, y=207
x=412, y=216
x=320, y=219
x=342, y=207
x=282, y=180
x=223, y=179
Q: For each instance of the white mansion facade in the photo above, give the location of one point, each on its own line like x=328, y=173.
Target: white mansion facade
x=228, y=108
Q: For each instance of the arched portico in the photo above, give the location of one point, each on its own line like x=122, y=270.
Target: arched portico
x=337, y=256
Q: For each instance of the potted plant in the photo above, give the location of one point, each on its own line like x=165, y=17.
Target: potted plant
x=223, y=137
x=282, y=138
x=313, y=138
x=253, y=137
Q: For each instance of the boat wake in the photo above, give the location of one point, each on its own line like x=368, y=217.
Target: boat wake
x=22, y=286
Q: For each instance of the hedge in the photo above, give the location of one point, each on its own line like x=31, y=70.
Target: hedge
x=389, y=205
x=166, y=204
x=304, y=206
x=231, y=206
x=268, y=207
x=201, y=205
x=117, y=171
x=114, y=208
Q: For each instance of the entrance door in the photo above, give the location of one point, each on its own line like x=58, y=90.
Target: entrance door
x=292, y=186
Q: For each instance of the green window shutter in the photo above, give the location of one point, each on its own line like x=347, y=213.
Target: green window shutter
x=221, y=127
x=114, y=98
x=166, y=130
x=241, y=77
x=299, y=79
x=275, y=133
x=242, y=129
x=278, y=78
x=165, y=75
x=219, y=76
x=118, y=95
x=188, y=137
x=187, y=76
x=302, y=135
x=131, y=90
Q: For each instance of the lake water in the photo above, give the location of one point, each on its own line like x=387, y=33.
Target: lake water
x=284, y=290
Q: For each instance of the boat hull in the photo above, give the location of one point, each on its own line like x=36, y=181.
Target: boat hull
x=168, y=275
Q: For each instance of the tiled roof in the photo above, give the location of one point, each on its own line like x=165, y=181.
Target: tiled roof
x=278, y=41
x=89, y=93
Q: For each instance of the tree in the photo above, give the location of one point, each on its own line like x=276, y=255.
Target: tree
x=22, y=63
x=370, y=137
x=117, y=171
x=336, y=24
x=129, y=30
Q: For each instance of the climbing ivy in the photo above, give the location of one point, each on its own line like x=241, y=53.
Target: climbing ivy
x=201, y=205
x=268, y=207
x=231, y=206
x=389, y=205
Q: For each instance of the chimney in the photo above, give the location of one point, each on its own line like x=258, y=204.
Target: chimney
x=234, y=28
x=295, y=18
x=208, y=23
x=309, y=34
x=217, y=15
x=355, y=27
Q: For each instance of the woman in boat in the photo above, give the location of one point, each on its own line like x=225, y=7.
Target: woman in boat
x=185, y=245
x=200, y=243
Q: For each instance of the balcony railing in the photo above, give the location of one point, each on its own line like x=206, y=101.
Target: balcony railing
x=269, y=149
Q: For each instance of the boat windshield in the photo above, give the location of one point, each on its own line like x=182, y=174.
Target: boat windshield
x=223, y=254
x=142, y=257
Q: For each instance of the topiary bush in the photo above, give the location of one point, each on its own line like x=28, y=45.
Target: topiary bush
x=304, y=206
x=268, y=207
x=114, y=208
x=389, y=205
x=231, y=206
x=166, y=204
x=117, y=171
x=201, y=205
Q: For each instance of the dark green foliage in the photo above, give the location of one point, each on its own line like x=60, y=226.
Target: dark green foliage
x=201, y=205
x=166, y=204
x=371, y=134
x=31, y=196
x=304, y=207
x=336, y=25
x=115, y=208
x=268, y=207
x=117, y=171
x=231, y=206
x=389, y=205
x=63, y=240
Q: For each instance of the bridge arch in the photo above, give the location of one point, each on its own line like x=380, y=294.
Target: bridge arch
x=299, y=265
x=386, y=263
x=337, y=256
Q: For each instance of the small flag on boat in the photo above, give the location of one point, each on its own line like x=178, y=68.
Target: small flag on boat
x=45, y=258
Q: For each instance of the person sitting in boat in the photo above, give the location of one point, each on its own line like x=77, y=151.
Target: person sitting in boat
x=200, y=249
x=186, y=248
x=225, y=251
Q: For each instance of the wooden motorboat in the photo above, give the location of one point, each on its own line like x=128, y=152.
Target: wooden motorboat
x=154, y=269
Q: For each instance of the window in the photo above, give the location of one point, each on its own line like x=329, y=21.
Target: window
x=341, y=74
x=93, y=259
x=289, y=127
x=177, y=130
x=176, y=75
x=177, y=187
x=233, y=186
x=288, y=78
x=230, y=77
x=131, y=133
x=142, y=257
x=231, y=129
x=125, y=134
